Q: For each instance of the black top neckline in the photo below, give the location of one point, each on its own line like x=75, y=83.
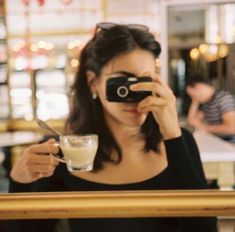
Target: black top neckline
x=160, y=174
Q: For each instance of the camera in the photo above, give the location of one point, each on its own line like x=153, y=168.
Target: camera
x=117, y=89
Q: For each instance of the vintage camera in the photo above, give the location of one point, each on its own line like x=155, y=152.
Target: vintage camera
x=117, y=89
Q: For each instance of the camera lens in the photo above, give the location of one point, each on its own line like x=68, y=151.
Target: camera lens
x=122, y=91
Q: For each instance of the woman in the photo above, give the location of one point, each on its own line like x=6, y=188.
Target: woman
x=141, y=145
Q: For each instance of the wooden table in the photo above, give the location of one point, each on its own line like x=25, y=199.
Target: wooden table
x=218, y=157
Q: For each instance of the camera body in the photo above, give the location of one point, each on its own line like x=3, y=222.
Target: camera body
x=117, y=89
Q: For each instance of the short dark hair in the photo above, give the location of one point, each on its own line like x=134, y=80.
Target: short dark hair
x=86, y=114
x=196, y=78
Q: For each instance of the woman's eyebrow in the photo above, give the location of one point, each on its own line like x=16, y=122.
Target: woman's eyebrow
x=129, y=74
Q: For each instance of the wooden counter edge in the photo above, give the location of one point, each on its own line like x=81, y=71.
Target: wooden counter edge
x=117, y=204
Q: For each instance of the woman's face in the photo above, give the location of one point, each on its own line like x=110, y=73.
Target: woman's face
x=135, y=63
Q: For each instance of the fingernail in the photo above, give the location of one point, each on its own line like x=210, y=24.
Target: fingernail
x=56, y=144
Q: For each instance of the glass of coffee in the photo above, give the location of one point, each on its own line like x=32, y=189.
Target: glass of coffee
x=79, y=151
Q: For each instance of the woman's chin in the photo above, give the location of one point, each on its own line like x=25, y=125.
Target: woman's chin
x=137, y=121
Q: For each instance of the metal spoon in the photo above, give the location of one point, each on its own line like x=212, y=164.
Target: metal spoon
x=45, y=126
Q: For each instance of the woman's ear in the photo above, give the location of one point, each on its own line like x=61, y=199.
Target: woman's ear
x=91, y=77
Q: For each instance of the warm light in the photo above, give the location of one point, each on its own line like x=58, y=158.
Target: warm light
x=42, y=44
x=74, y=63
x=71, y=45
x=213, y=49
x=218, y=40
x=203, y=48
x=34, y=47
x=18, y=46
x=49, y=46
x=194, y=53
x=223, y=50
x=74, y=44
x=212, y=54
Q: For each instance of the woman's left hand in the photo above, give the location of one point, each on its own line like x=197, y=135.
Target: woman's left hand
x=162, y=104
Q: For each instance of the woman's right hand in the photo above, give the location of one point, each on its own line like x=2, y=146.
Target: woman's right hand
x=37, y=161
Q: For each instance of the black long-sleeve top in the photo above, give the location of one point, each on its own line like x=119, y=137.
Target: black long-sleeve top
x=184, y=171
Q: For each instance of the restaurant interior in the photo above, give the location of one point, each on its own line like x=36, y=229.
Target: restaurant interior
x=40, y=43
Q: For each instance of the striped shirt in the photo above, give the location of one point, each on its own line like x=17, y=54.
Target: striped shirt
x=220, y=103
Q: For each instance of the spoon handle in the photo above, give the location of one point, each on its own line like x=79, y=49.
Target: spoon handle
x=44, y=125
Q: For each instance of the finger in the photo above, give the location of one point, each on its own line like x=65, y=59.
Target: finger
x=144, y=86
x=52, y=140
x=164, y=85
x=58, y=158
x=54, y=159
x=53, y=148
x=43, y=159
x=42, y=168
x=159, y=80
x=153, y=87
x=39, y=175
x=150, y=101
x=48, y=174
x=149, y=108
x=44, y=148
x=164, y=90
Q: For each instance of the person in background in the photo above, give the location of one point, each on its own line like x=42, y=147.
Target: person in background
x=141, y=145
x=211, y=110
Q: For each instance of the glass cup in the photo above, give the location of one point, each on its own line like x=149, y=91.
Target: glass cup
x=79, y=151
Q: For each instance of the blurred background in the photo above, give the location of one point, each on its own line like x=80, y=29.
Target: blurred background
x=40, y=41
